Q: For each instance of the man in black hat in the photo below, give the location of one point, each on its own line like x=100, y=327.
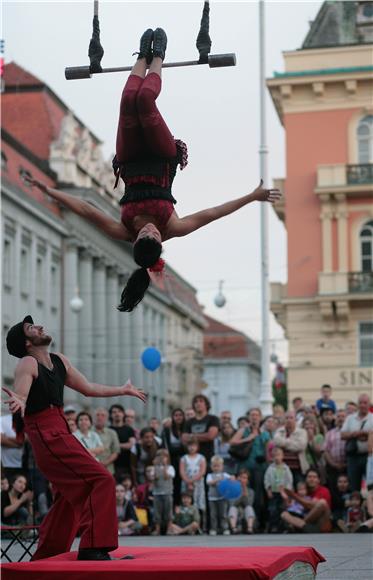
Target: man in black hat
x=84, y=489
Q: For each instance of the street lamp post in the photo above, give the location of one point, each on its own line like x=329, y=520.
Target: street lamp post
x=266, y=398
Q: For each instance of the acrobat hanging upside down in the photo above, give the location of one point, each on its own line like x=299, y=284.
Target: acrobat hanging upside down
x=147, y=157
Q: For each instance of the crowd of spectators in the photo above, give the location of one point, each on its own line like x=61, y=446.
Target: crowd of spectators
x=307, y=469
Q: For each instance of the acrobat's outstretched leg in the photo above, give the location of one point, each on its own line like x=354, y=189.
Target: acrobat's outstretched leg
x=157, y=135
x=130, y=139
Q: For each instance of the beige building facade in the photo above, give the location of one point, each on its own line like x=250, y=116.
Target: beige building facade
x=324, y=100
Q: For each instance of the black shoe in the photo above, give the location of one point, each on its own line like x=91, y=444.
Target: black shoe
x=159, y=43
x=146, y=46
x=93, y=554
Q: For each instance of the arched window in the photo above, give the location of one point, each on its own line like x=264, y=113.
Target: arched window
x=366, y=247
x=365, y=139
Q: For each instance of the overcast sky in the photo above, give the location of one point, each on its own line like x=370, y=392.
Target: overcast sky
x=216, y=111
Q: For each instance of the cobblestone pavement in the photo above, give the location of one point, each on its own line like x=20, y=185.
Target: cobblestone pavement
x=348, y=556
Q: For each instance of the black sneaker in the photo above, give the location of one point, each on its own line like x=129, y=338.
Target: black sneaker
x=146, y=46
x=93, y=554
x=159, y=43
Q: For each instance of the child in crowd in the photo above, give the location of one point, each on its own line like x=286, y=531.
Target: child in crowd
x=293, y=506
x=192, y=472
x=355, y=514
x=127, y=519
x=162, y=491
x=186, y=518
x=127, y=484
x=277, y=478
x=218, y=506
x=241, y=509
x=143, y=494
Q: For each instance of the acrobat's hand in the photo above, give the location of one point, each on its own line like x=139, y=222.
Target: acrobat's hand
x=36, y=183
x=271, y=195
x=131, y=391
x=16, y=403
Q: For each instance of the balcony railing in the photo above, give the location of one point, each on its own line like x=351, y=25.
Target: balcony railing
x=359, y=282
x=360, y=174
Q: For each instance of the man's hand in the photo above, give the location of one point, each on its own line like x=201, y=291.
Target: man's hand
x=271, y=195
x=130, y=391
x=16, y=402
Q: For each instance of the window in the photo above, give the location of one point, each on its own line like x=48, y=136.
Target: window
x=365, y=140
x=366, y=247
x=24, y=274
x=40, y=279
x=366, y=344
x=7, y=263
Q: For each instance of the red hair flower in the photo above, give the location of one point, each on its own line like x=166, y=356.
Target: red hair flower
x=158, y=266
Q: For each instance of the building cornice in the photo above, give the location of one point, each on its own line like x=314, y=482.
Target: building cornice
x=322, y=72
x=18, y=197
x=323, y=79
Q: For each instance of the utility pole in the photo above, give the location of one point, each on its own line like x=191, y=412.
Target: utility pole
x=266, y=398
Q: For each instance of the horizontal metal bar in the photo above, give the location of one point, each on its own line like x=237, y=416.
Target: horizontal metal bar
x=214, y=61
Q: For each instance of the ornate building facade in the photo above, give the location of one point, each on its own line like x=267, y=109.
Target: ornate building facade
x=324, y=100
x=51, y=255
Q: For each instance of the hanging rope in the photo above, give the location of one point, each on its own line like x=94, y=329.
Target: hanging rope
x=203, y=42
x=95, y=50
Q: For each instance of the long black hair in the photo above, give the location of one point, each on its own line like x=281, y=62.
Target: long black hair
x=146, y=253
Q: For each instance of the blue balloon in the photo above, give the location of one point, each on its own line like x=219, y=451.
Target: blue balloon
x=229, y=488
x=151, y=358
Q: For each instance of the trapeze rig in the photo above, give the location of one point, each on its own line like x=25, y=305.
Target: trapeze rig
x=203, y=44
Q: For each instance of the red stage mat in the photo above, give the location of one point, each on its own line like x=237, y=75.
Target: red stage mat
x=169, y=564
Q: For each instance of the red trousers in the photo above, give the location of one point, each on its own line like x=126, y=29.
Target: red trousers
x=84, y=490
x=142, y=131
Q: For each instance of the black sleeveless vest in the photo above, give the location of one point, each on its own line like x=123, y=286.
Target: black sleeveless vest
x=47, y=388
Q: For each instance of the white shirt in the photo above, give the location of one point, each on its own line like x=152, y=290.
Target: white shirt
x=89, y=441
x=10, y=456
x=354, y=423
